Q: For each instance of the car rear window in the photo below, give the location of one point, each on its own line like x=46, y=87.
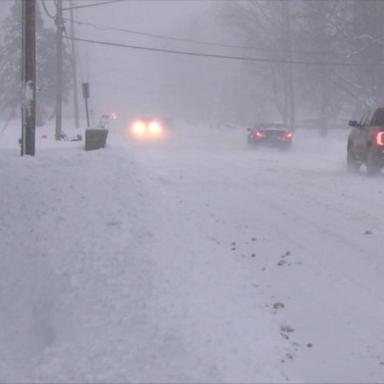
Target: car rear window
x=378, y=118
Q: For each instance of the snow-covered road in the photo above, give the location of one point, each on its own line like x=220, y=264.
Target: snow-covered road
x=307, y=235
x=194, y=260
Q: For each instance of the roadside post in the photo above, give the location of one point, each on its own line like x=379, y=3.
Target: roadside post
x=86, y=95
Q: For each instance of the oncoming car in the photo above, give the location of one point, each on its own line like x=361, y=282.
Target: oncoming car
x=147, y=129
x=270, y=134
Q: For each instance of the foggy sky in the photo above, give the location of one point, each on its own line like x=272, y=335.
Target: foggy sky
x=137, y=82
x=133, y=82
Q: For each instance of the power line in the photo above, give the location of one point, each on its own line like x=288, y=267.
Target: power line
x=46, y=9
x=186, y=40
x=93, y=4
x=5, y=126
x=216, y=56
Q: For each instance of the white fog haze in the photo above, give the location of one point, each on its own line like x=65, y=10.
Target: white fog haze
x=191, y=191
x=130, y=80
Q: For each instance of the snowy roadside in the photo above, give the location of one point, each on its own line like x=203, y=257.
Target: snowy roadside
x=194, y=260
x=63, y=219
x=102, y=280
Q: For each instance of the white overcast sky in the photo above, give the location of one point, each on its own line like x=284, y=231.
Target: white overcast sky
x=131, y=81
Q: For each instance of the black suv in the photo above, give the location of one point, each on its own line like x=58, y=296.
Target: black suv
x=366, y=142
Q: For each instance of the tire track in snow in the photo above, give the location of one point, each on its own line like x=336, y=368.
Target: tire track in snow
x=226, y=175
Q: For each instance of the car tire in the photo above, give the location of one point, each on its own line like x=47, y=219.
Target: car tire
x=352, y=164
x=373, y=167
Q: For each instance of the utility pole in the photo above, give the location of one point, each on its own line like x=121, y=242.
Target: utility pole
x=289, y=93
x=59, y=68
x=74, y=69
x=28, y=111
x=320, y=26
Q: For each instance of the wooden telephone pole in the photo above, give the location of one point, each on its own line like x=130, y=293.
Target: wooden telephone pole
x=28, y=65
x=74, y=69
x=59, y=68
x=289, y=92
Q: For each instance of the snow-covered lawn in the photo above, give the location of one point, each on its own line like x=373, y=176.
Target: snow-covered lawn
x=194, y=260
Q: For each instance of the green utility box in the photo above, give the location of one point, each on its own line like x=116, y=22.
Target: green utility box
x=95, y=138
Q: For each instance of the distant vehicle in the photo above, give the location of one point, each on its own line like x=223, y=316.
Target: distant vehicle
x=147, y=129
x=270, y=134
x=366, y=142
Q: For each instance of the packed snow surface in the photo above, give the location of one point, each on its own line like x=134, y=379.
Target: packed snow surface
x=192, y=260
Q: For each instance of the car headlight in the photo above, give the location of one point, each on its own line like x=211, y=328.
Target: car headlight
x=139, y=128
x=155, y=128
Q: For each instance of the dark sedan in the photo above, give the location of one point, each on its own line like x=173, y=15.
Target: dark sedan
x=270, y=134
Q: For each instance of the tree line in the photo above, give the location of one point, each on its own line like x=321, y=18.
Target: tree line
x=10, y=65
x=316, y=31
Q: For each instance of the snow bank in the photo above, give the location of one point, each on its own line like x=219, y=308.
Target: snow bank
x=192, y=260
x=103, y=280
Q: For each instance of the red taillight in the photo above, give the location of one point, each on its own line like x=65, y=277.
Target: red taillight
x=288, y=135
x=259, y=134
x=379, y=138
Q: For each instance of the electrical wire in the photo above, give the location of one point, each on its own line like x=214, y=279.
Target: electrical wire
x=5, y=126
x=46, y=10
x=186, y=40
x=217, y=56
x=93, y=4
